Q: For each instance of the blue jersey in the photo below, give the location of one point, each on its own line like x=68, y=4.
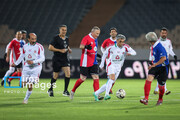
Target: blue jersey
x=95, y=60
x=158, y=52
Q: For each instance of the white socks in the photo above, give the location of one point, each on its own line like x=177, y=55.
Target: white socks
x=157, y=88
x=9, y=72
x=108, y=86
x=102, y=89
x=28, y=93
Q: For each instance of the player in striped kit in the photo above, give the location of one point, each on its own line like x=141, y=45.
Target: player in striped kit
x=13, y=53
x=116, y=55
x=109, y=42
x=169, y=49
x=88, y=63
x=32, y=57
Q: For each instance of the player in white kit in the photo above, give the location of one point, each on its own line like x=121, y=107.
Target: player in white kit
x=116, y=55
x=169, y=49
x=33, y=53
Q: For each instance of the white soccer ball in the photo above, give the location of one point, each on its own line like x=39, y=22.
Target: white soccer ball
x=120, y=93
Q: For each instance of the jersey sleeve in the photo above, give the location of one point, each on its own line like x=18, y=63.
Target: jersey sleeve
x=105, y=54
x=21, y=57
x=104, y=44
x=7, y=47
x=130, y=50
x=53, y=42
x=171, y=52
x=84, y=41
x=41, y=55
x=11, y=44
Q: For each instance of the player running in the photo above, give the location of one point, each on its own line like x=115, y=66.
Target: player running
x=32, y=57
x=158, y=69
x=169, y=49
x=116, y=55
x=15, y=47
x=88, y=63
x=107, y=43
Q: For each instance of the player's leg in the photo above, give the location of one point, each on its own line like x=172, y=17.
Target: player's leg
x=167, y=92
x=109, y=85
x=83, y=76
x=162, y=80
x=66, y=80
x=156, y=89
x=56, y=70
x=8, y=73
x=14, y=74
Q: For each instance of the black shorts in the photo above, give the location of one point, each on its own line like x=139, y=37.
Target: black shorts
x=58, y=64
x=161, y=73
x=19, y=66
x=89, y=70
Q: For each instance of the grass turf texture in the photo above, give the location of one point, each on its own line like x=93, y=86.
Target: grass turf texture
x=83, y=107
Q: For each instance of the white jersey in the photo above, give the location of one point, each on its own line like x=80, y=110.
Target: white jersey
x=168, y=46
x=116, y=55
x=34, y=53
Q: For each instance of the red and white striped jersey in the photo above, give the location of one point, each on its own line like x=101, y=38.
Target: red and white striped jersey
x=16, y=48
x=107, y=43
x=34, y=53
x=88, y=57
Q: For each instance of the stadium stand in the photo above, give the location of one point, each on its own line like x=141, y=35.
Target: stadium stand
x=42, y=16
x=138, y=17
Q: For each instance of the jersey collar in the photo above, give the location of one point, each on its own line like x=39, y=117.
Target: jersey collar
x=155, y=44
x=90, y=35
x=112, y=39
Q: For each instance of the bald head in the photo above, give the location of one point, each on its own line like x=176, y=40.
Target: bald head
x=32, y=37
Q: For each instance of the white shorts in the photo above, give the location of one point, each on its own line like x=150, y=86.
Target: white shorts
x=31, y=75
x=114, y=69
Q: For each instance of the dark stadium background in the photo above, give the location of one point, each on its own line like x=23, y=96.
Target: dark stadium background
x=133, y=18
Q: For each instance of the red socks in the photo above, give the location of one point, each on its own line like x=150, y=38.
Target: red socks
x=147, y=88
x=77, y=84
x=14, y=74
x=96, y=84
x=161, y=92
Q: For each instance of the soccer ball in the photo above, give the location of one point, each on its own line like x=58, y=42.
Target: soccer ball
x=120, y=93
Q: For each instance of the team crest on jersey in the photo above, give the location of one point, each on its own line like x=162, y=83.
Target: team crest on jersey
x=117, y=57
x=95, y=48
x=91, y=42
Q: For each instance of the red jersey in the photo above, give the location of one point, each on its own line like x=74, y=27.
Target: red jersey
x=108, y=42
x=15, y=46
x=88, y=57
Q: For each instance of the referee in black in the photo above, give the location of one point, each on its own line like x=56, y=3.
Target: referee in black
x=60, y=46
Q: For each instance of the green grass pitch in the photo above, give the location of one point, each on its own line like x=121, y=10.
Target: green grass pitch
x=83, y=106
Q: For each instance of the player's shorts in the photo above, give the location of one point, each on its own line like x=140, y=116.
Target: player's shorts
x=161, y=73
x=31, y=75
x=58, y=64
x=19, y=66
x=93, y=70
x=114, y=69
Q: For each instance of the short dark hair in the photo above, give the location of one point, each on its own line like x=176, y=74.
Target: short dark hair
x=24, y=31
x=164, y=29
x=113, y=28
x=62, y=26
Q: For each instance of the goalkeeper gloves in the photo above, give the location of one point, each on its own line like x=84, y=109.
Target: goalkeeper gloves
x=89, y=47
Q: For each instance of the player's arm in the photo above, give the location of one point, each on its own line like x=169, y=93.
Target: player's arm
x=69, y=49
x=105, y=54
x=52, y=48
x=171, y=52
x=131, y=52
x=41, y=59
x=20, y=59
x=163, y=58
x=8, y=54
x=103, y=49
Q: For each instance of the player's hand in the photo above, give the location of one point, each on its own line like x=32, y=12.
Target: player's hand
x=175, y=59
x=151, y=66
x=70, y=51
x=7, y=59
x=63, y=50
x=13, y=65
x=89, y=47
x=30, y=62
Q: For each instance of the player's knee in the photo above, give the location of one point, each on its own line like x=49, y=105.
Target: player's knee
x=83, y=78
x=68, y=74
x=161, y=83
